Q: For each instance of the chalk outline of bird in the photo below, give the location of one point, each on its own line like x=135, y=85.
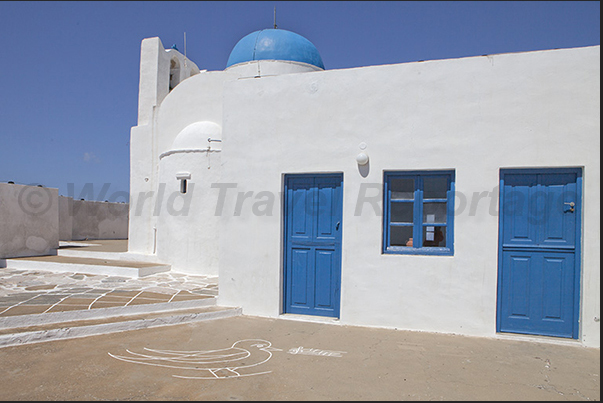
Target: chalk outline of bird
x=225, y=359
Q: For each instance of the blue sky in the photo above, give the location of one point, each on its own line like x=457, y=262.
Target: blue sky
x=69, y=70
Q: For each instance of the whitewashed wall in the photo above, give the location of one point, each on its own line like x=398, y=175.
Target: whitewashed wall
x=187, y=227
x=474, y=115
x=89, y=219
x=29, y=221
x=65, y=218
x=98, y=220
x=154, y=87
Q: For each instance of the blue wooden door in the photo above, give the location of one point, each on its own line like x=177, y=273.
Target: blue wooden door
x=539, y=252
x=313, y=213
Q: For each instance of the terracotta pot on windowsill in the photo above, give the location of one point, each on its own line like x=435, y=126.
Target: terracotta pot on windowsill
x=409, y=242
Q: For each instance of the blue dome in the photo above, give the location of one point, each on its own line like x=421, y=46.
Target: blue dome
x=275, y=44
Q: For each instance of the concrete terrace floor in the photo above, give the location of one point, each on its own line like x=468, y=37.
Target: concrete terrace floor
x=26, y=292
x=57, y=344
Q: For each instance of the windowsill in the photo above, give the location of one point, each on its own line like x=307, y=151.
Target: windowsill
x=406, y=250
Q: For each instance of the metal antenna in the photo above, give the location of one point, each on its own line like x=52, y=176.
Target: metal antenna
x=185, y=49
x=274, y=17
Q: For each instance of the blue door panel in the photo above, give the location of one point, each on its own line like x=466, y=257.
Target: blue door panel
x=538, y=269
x=325, y=266
x=325, y=211
x=519, y=280
x=539, y=292
x=312, y=273
x=519, y=200
x=558, y=288
x=300, y=206
x=554, y=229
x=300, y=269
x=559, y=228
x=552, y=298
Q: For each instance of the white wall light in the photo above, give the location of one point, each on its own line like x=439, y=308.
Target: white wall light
x=362, y=159
x=183, y=177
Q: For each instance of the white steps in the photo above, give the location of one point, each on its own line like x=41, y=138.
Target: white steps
x=89, y=265
x=16, y=334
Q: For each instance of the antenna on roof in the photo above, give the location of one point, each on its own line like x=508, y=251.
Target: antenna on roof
x=274, y=17
x=185, y=49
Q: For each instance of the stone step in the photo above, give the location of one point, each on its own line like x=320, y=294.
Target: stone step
x=123, y=256
x=89, y=265
x=99, y=251
x=20, y=334
x=14, y=321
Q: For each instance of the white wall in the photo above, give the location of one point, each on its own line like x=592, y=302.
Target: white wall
x=29, y=221
x=265, y=68
x=65, y=218
x=162, y=115
x=196, y=99
x=474, y=115
x=88, y=219
x=187, y=229
x=98, y=220
x=154, y=87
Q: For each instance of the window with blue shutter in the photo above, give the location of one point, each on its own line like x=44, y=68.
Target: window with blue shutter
x=418, y=212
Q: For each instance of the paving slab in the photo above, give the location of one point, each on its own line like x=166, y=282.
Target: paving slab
x=31, y=297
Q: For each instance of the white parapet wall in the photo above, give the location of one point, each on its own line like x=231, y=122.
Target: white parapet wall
x=65, y=218
x=29, y=220
x=87, y=219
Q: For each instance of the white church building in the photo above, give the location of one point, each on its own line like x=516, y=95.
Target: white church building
x=454, y=196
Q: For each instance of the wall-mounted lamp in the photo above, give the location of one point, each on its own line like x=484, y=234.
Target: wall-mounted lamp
x=183, y=177
x=362, y=159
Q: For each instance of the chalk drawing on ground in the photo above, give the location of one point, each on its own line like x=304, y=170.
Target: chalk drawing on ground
x=315, y=351
x=241, y=359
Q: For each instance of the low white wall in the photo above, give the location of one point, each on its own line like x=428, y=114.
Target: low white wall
x=65, y=218
x=98, y=220
x=29, y=221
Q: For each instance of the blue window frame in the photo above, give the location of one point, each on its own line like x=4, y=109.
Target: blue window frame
x=418, y=212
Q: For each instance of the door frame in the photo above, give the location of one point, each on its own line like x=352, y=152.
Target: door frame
x=284, y=237
x=579, y=171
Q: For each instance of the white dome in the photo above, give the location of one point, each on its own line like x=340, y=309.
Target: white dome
x=196, y=135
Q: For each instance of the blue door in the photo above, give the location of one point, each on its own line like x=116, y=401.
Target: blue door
x=539, y=252
x=313, y=213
